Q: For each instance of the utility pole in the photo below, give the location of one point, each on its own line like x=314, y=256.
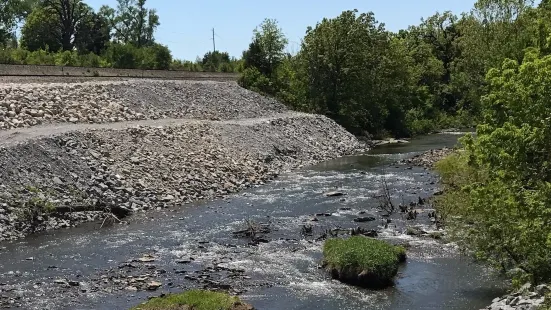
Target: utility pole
x=213, y=42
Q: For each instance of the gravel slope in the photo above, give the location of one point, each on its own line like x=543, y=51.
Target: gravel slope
x=26, y=105
x=230, y=139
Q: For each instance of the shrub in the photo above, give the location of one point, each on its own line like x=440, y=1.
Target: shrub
x=252, y=79
x=455, y=174
x=195, y=299
x=19, y=56
x=40, y=57
x=90, y=60
x=153, y=57
x=6, y=56
x=547, y=303
x=162, y=57
x=67, y=58
x=363, y=261
x=122, y=56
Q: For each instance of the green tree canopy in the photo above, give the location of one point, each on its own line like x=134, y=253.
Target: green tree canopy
x=41, y=31
x=11, y=13
x=351, y=74
x=267, y=50
x=133, y=23
x=507, y=219
x=93, y=34
x=69, y=14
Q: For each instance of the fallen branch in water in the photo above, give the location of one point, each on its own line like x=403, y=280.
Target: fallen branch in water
x=117, y=211
x=385, y=199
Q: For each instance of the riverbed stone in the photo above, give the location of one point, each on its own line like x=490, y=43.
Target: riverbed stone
x=334, y=194
x=364, y=219
x=153, y=285
x=543, y=289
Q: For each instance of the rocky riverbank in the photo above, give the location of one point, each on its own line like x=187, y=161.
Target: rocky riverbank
x=527, y=298
x=56, y=176
x=428, y=159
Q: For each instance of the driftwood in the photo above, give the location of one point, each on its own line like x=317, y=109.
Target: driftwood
x=118, y=211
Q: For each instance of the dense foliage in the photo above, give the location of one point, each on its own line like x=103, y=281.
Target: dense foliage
x=71, y=33
x=420, y=79
x=498, y=189
x=504, y=174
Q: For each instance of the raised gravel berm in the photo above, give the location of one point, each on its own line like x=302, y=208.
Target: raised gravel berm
x=50, y=171
x=31, y=104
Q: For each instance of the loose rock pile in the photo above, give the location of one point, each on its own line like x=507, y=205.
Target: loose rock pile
x=25, y=105
x=527, y=298
x=428, y=159
x=143, y=167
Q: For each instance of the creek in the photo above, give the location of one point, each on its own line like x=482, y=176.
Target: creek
x=282, y=272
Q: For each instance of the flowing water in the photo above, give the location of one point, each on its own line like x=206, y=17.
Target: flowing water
x=283, y=273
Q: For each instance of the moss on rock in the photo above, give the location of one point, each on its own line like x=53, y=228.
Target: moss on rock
x=363, y=261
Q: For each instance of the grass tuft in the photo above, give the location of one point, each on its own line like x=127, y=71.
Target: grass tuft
x=193, y=299
x=363, y=261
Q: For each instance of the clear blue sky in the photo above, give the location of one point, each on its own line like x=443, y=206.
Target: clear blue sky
x=186, y=24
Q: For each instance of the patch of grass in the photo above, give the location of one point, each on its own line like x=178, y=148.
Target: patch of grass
x=363, y=261
x=547, y=304
x=194, y=299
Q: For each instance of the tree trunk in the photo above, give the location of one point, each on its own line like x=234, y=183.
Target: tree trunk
x=66, y=41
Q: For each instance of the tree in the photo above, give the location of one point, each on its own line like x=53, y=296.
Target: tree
x=267, y=50
x=41, y=31
x=344, y=59
x=11, y=13
x=543, y=17
x=69, y=14
x=133, y=23
x=255, y=57
x=492, y=31
x=156, y=56
x=93, y=34
x=435, y=41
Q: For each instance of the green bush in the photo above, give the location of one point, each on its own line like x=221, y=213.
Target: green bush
x=363, y=261
x=417, y=123
x=455, y=174
x=122, y=56
x=547, y=303
x=19, y=56
x=153, y=57
x=67, y=58
x=252, y=79
x=39, y=57
x=195, y=299
x=6, y=56
x=90, y=60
